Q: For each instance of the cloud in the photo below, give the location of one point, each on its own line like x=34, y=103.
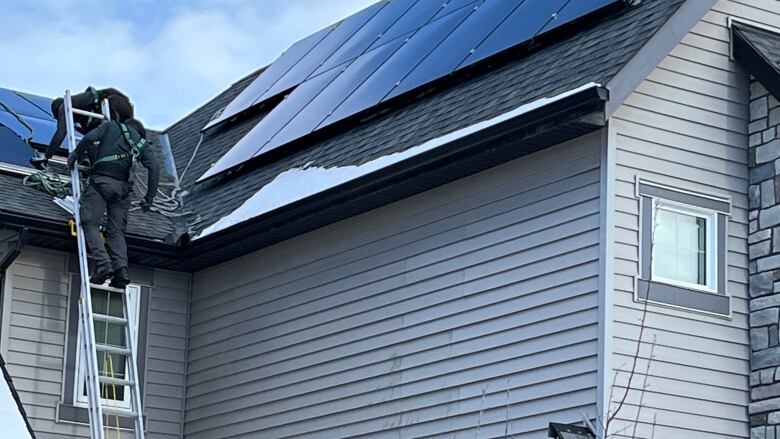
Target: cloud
x=169, y=57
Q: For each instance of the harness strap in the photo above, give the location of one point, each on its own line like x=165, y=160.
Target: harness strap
x=135, y=147
x=95, y=95
x=95, y=102
x=115, y=157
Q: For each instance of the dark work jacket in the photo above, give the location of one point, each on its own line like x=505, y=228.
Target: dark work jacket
x=82, y=101
x=110, y=140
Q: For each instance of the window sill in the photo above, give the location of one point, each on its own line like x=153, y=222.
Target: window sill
x=689, y=299
x=73, y=414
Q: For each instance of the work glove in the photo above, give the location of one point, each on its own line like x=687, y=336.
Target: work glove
x=39, y=162
x=146, y=204
x=71, y=160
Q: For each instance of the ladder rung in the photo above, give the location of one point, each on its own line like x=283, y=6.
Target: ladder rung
x=87, y=113
x=109, y=319
x=115, y=381
x=116, y=411
x=112, y=349
x=107, y=288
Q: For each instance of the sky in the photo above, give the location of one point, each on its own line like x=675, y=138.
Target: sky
x=11, y=421
x=169, y=56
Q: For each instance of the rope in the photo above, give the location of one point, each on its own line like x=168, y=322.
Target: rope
x=192, y=157
x=108, y=370
x=166, y=202
x=48, y=181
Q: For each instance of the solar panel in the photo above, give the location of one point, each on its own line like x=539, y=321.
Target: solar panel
x=322, y=51
x=366, y=35
x=575, y=9
x=524, y=23
x=454, y=5
x=264, y=131
x=415, y=17
x=39, y=101
x=22, y=105
x=343, y=85
x=357, y=65
x=382, y=82
x=455, y=48
x=34, y=110
x=270, y=75
x=14, y=150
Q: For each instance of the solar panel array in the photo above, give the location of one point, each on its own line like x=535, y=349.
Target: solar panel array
x=379, y=53
x=35, y=112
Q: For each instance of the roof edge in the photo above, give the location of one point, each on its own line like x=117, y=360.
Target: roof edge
x=666, y=38
x=548, y=125
x=753, y=59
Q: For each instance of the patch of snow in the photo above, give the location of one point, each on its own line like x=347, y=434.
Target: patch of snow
x=298, y=183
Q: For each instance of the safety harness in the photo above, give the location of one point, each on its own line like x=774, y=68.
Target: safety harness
x=95, y=102
x=135, y=147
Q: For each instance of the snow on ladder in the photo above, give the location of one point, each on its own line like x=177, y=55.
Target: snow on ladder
x=95, y=380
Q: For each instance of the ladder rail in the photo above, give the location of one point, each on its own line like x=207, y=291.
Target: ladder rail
x=132, y=366
x=132, y=369
x=85, y=302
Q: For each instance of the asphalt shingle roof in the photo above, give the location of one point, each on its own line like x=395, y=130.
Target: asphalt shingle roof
x=594, y=54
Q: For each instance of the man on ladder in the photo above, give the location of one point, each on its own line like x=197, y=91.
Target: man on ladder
x=119, y=145
x=104, y=138
x=89, y=100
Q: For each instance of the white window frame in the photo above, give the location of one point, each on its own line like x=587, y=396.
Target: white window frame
x=79, y=399
x=711, y=256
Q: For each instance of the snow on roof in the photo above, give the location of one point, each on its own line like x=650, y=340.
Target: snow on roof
x=299, y=183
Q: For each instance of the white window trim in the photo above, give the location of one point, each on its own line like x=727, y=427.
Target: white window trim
x=79, y=400
x=711, y=219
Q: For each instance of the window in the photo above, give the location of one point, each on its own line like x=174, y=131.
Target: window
x=682, y=261
x=114, y=365
x=684, y=246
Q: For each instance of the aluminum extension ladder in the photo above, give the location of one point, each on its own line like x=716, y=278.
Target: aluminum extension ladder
x=89, y=347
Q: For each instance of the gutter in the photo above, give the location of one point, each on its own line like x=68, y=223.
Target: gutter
x=583, y=110
x=53, y=234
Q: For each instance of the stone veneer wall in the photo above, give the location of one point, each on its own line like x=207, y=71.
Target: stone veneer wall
x=764, y=253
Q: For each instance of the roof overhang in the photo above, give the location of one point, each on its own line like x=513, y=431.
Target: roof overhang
x=573, y=116
x=53, y=234
x=552, y=124
x=758, y=50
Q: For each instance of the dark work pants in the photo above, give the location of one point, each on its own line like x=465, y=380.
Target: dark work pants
x=100, y=195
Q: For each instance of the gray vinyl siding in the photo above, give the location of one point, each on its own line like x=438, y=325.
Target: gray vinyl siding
x=166, y=355
x=686, y=127
x=37, y=339
x=465, y=311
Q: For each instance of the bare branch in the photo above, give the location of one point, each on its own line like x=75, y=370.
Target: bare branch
x=644, y=385
x=642, y=325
